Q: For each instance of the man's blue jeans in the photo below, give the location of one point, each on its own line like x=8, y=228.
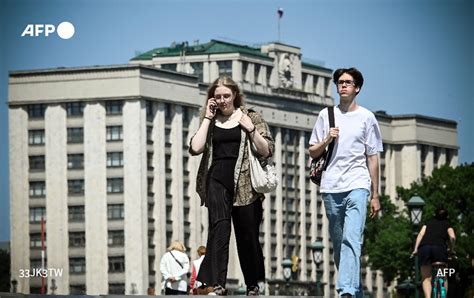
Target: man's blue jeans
x=346, y=213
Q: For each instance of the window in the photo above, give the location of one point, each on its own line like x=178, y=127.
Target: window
x=115, y=238
x=225, y=67
x=245, y=67
x=35, y=240
x=36, y=213
x=256, y=72
x=150, y=111
x=198, y=70
x=169, y=66
x=269, y=74
x=77, y=239
x=37, y=162
x=168, y=113
x=36, y=111
x=115, y=185
x=114, y=133
x=116, y=264
x=77, y=265
x=115, y=211
x=36, y=137
x=75, y=187
x=150, y=185
x=113, y=107
x=35, y=263
x=75, y=161
x=149, y=137
x=149, y=160
x=77, y=289
x=76, y=213
x=75, y=135
x=114, y=159
x=37, y=189
x=75, y=108
x=116, y=288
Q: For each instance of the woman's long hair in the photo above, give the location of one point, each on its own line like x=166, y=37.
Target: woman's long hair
x=225, y=81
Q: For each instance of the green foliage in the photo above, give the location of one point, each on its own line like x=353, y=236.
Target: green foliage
x=388, y=242
x=4, y=271
x=389, y=239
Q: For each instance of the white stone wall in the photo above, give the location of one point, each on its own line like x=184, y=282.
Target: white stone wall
x=19, y=197
x=135, y=197
x=57, y=250
x=95, y=195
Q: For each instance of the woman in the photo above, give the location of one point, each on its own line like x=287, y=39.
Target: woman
x=431, y=245
x=196, y=264
x=174, y=267
x=224, y=185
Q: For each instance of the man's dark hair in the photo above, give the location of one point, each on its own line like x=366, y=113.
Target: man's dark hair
x=354, y=72
x=441, y=213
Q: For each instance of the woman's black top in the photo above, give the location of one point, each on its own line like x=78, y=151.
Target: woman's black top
x=436, y=232
x=225, y=149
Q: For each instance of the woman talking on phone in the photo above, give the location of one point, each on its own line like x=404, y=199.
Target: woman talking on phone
x=224, y=185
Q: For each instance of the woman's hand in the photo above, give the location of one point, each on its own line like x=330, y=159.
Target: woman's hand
x=211, y=108
x=246, y=123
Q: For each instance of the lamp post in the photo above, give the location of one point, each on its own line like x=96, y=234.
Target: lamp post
x=286, y=272
x=415, y=207
x=317, y=249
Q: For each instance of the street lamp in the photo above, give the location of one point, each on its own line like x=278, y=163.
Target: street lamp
x=317, y=249
x=286, y=269
x=415, y=207
x=287, y=272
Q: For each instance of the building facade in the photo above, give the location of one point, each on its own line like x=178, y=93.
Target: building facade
x=101, y=154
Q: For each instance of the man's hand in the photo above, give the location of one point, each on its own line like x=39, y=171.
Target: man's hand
x=374, y=205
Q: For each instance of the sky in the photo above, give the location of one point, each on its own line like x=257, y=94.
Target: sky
x=417, y=56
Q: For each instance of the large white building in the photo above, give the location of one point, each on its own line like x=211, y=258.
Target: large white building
x=101, y=154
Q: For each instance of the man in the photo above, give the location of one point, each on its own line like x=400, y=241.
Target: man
x=351, y=176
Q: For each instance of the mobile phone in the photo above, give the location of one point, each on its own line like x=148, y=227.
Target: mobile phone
x=213, y=109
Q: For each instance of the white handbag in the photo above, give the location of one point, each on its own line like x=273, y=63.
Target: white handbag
x=264, y=179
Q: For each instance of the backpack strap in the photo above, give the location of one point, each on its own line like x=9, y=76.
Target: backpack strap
x=331, y=145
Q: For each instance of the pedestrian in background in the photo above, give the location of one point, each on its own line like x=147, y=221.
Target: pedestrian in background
x=174, y=267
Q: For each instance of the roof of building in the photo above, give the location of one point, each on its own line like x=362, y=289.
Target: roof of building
x=212, y=47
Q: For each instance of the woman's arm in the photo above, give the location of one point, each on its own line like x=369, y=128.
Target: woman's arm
x=418, y=239
x=258, y=134
x=198, y=142
x=452, y=238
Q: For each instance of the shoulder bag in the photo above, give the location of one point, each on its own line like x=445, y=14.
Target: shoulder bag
x=319, y=164
x=264, y=178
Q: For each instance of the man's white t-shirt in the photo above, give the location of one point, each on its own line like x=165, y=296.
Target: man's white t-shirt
x=359, y=136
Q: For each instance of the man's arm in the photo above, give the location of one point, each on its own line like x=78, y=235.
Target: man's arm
x=373, y=165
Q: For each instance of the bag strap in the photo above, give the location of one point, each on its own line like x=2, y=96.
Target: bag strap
x=179, y=263
x=331, y=145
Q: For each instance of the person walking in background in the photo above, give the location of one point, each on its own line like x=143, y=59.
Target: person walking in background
x=196, y=264
x=431, y=246
x=174, y=267
x=224, y=184
x=352, y=176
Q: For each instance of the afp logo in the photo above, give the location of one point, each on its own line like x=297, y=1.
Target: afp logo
x=65, y=30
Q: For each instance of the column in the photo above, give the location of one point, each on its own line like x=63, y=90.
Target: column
x=19, y=196
x=135, y=197
x=57, y=250
x=95, y=195
x=176, y=139
x=279, y=205
x=159, y=189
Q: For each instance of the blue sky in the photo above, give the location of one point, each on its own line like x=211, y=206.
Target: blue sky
x=417, y=56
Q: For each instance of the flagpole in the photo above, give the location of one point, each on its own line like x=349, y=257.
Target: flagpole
x=280, y=15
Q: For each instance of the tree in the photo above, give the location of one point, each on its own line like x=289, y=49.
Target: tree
x=4, y=271
x=389, y=240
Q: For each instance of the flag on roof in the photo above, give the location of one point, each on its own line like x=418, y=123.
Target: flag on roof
x=280, y=12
